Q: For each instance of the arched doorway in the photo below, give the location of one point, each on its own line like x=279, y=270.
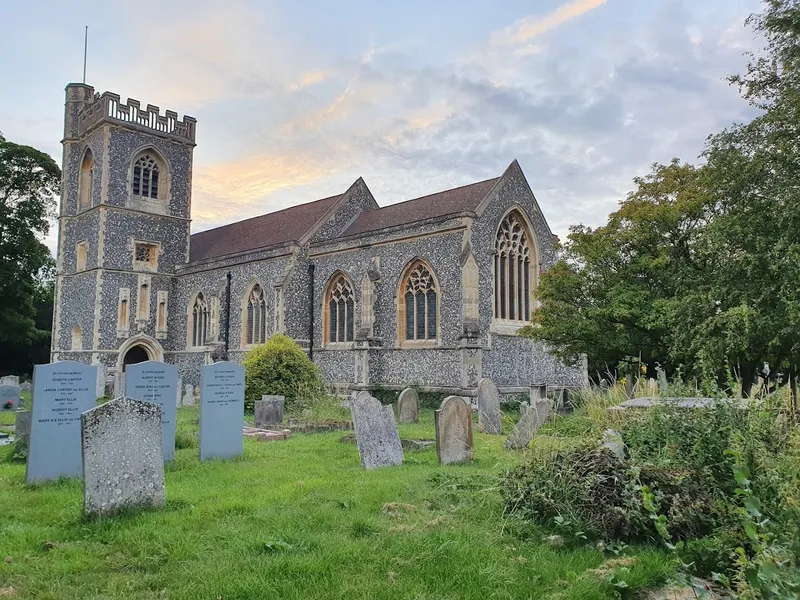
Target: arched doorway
x=135, y=355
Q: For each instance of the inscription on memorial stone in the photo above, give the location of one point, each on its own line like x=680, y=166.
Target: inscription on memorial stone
x=156, y=382
x=221, y=410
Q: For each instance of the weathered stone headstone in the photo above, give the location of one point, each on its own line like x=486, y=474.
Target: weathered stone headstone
x=538, y=392
x=122, y=462
x=9, y=380
x=453, y=423
x=221, y=410
x=156, y=382
x=530, y=420
x=22, y=430
x=188, y=395
x=9, y=397
x=61, y=392
x=376, y=433
x=362, y=395
x=612, y=441
x=408, y=406
x=179, y=393
x=489, y=420
x=25, y=386
x=100, y=390
x=269, y=411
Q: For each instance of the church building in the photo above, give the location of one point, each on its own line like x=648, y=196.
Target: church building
x=429, y=292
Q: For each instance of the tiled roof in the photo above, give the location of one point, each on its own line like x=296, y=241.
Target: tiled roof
x=287, y=225
x=448, y=202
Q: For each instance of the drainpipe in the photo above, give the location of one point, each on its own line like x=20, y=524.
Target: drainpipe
x=311, y=311
x=227, y=311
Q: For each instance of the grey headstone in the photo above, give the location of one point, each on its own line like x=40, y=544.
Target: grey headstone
x=538, y=392
x=663, y=384
x=269, y=411
x=408, y=406
x=122, y=462
x=9, y=397
x=9, y=380
x=453, y=423
x=612, y=440
x=376, y=433
x=179, y=393
x=362, y=395
x=100, y=389
x=489, y=420
x=188, y=395
x=25, y=386
x=221, y=410
x=156, y=382
x=61, y=392
x=22, y=430
x=530, y=420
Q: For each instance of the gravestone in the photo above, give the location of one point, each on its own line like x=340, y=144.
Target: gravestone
x=25, y=386
x=188, y=395
x=408, y=406
x=179, y=393
x=9, y=380
x=269, y=411
x=362, y=395
x=221, y=410
x=538, y=392
x=122, y=462
x=61, y=392
x=489, y=407
x=453, y=423
x=376, y=433
x=530, y=420
x=22, y=430
x=100, y=389
x=9, y=396
x=156, y=382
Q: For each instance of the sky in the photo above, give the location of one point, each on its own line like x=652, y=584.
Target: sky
x=297, y=99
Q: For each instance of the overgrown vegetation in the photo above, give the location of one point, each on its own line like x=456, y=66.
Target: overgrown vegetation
x=280, y=367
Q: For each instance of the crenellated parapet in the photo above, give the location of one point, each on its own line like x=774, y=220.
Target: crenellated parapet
x=109, y=108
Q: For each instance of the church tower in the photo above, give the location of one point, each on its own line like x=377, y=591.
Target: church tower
x=123, y=228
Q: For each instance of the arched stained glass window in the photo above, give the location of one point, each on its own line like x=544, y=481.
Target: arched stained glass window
x=340, y=308
x=256, y=321
x=419, y=304
x=512, y=270
x=199, y=318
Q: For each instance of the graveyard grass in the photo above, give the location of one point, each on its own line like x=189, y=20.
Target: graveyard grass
x=302, y=519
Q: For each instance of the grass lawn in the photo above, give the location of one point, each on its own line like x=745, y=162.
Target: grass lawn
x=301, y=519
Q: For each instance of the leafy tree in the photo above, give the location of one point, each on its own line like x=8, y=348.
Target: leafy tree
x=611, y=295
x=29, y=182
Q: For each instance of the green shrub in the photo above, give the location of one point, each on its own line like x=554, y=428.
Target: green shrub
x=279, y=367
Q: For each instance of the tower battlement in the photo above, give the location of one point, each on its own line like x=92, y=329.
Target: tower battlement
x=108, y=107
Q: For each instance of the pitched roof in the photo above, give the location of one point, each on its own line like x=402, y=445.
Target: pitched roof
x=287, y=225
x=448, y=202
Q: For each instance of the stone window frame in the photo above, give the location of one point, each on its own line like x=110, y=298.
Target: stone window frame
x=85, y=180
x=143, y=296
x=197, y=300
x=160, y=204
x=246, y=342
x=81, y=255
x=124, y=312
x=150, y=265
x=504, y=325
x=162, y=314
x=402, y=340
x=330, y=288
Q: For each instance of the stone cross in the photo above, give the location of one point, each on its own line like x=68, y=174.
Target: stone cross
x=269, y=411
x=530, y=420
x=61, y=392
x=221, y=410
x=453, y=423
x=122, y=462
x=376, y=433
x=408, y=406
x=489, y=407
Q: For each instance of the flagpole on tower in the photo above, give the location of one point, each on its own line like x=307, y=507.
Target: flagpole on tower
x=85, y=47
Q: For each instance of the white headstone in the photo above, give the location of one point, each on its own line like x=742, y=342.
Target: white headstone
x=221, y=410
x=489, y=417
x=122, y=462
x=408, y=406
x=156, y=382
x=376, y=433
x=188, y=395
x=453, y=423
x=61, y=392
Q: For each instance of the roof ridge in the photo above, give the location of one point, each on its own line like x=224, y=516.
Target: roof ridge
x=466, y=185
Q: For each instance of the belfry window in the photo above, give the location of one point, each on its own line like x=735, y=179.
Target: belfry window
x=145, y=176
x=340, y=308
x=512, y=270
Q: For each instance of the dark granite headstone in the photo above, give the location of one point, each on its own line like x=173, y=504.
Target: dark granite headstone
x=61, y=392
x=269, y=411
x=221, y=410
x=156, y=382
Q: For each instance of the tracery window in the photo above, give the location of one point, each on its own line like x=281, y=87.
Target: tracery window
x=199, y=316
x=145, y=176
x=256, y=321
x=340, y=308
x=512, y=270
x=419, y=304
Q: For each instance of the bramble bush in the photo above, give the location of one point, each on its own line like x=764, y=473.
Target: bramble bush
x=280, y=367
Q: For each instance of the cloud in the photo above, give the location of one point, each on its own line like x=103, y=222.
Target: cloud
x=532, y=26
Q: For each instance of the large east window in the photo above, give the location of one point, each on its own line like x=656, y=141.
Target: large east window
x=513, y=270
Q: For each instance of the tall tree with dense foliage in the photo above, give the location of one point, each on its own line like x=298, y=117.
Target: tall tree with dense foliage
x=29, y=182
